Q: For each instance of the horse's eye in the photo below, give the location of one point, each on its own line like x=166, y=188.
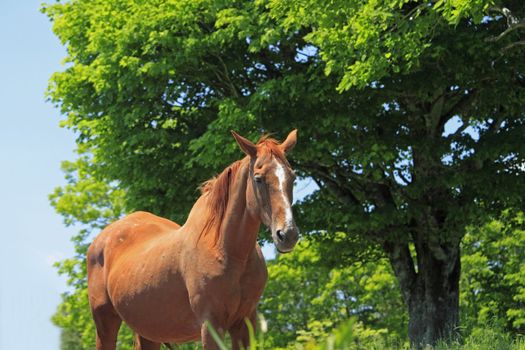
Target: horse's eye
x=258, y=179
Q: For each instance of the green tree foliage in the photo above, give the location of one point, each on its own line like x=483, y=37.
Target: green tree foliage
x=305, y=299
x=70, y=340
x=410, y=115
x=494, y=274
x=364, y=41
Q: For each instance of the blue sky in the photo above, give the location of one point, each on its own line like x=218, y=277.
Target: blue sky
x=31, y=149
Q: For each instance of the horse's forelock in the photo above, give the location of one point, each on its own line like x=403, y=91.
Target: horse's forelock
x=271, y=146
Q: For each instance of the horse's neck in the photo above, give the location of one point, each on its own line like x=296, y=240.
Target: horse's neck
x=239, y=229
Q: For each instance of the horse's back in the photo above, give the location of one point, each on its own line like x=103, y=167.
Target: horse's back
x=128, y=233
x=134, y=229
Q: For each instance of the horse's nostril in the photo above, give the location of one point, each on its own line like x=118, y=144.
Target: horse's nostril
x=280, y=235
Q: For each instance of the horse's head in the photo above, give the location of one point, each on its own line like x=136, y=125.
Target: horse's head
x=270, y=185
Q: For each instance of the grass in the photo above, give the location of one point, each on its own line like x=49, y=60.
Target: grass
x=344, y=338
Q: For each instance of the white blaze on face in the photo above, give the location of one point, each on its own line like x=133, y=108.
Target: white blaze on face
x=281, y=176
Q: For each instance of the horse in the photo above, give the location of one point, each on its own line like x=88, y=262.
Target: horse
x=169, y=283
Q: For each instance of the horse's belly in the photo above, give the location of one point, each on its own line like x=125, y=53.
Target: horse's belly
x=158, y=319
x=157, y=308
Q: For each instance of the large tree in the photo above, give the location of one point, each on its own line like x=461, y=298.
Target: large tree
x=410, y=116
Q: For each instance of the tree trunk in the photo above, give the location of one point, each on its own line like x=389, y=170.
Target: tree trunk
x=430, y=289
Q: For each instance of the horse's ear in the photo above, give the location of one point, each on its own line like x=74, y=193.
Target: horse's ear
x=290, y=141
x=246, y=145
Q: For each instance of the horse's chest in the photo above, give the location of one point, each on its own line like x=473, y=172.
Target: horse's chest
x=228, y=292
x=251, y=287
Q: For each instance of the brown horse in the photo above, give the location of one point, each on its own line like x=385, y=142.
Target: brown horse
x=166, y=281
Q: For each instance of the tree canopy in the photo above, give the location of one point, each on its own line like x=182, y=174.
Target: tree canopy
x=410, y=117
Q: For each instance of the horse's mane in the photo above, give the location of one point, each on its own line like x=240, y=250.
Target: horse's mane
x=217, y=189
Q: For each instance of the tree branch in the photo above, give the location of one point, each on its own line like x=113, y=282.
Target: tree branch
x=513, y=45
x=460, y=130
x=510, y=29
x=339, y=190
x=399, y=173
x=403, y=265
x=226, y=76
x=513, y=23
x=456, y=107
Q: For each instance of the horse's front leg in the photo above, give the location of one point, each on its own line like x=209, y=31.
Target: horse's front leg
x=145, y=344
x=208, y=342
x=240, y=334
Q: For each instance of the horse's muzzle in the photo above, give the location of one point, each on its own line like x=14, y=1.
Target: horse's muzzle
x=285, y=238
